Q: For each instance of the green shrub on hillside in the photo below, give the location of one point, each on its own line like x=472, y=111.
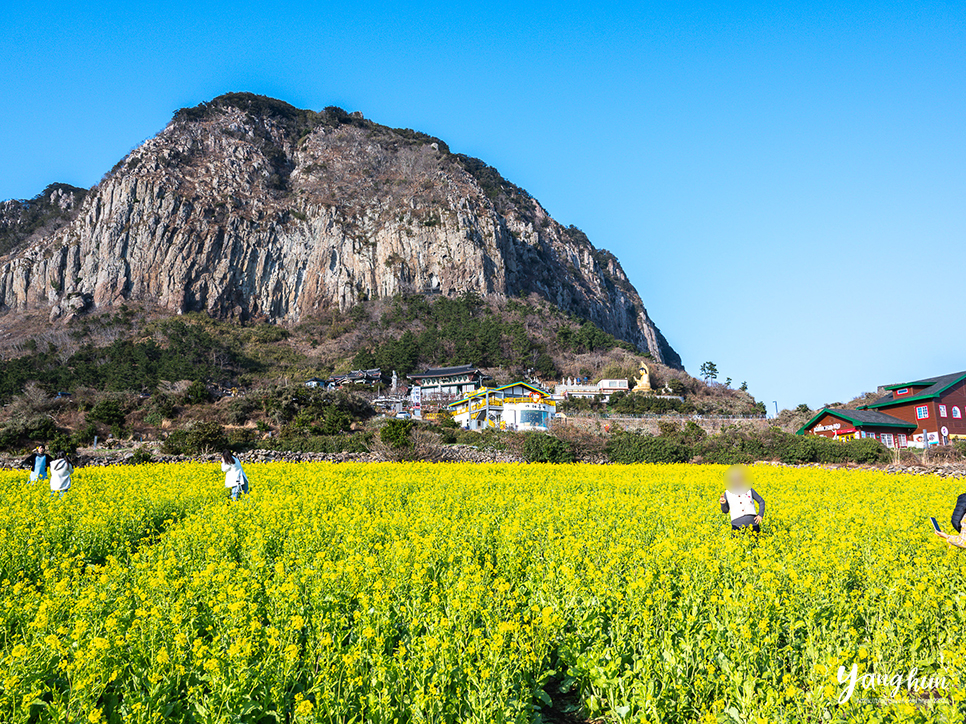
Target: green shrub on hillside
x=730, y=447
x=734, y=446
x=242, y=438
x=582, y=404
x=196, y=394
x=588, y=337
x=798, y=449
x=677, y=387
x=141, y=456
x=62, y=442
x=284, y=404
x=108, y=411
x=184, y=352
x=241, y=409
x=329, y=421
x=866, y=451
x=629, y=447
x=689, y=434
x=85, y=435
x=395, y=433
x=539, y=447
x=161, y=406
x=632, y=403
x=21, y=434
x=467, y=329
x=198, y=438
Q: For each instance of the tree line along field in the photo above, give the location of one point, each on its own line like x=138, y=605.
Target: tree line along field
x=415, y=592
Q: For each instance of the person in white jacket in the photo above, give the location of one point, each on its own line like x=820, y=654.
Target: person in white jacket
x=235, y=478
x=739, y=501
x=60, y=472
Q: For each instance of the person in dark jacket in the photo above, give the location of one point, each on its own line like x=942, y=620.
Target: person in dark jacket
x=739, y=501
x=38, y=463
x=959, y=515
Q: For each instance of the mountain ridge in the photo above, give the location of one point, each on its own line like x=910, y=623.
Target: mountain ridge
x=246, y=207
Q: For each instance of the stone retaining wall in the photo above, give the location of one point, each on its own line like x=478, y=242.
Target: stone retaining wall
x=446, y=453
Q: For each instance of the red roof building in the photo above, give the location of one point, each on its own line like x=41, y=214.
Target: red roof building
x=930, y=411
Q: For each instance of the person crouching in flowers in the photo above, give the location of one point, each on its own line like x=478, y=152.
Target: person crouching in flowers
x=739, y=500
x=60, y=471
x=235, y=478
x=959, y=515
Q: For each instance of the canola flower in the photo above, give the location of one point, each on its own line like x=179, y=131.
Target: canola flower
x=471, y=593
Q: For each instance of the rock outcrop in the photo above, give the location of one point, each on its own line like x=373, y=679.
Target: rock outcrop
x=248, y=208
x=23, y=222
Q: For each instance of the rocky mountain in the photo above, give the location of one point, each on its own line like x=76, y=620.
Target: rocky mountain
x=31, y=220
x=249, y=208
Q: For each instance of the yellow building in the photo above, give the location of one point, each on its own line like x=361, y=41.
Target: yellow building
x=519, y=406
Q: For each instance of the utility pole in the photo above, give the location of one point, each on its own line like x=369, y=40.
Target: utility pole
x=775, y=403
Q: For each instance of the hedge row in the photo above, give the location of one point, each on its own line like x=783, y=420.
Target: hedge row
x=735, y=446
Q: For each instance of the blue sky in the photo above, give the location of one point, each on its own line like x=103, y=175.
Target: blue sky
x=786, y=186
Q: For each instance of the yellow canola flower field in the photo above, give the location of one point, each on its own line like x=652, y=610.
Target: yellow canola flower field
x=476, y=593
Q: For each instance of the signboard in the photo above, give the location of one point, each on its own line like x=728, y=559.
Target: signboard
x=944, y=431
x=416, y=396
x=826, y=428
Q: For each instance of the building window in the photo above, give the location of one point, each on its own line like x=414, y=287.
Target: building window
x=957, y=413
x=922, y=412
x=903, y=442
x=942, y=411
x=886, y=438
x=533, y=417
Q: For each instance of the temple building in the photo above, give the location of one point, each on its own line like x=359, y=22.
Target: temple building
x=448, y=382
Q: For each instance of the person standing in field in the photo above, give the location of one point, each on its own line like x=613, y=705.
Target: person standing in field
x=959, y=515
x=38, y=463
x=739, y=501
x=235, y=478
x=60, y=474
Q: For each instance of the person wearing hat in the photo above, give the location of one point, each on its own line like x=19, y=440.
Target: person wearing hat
x=38, y=463
x=60, y=472
x=959, y=514
x=739, y=501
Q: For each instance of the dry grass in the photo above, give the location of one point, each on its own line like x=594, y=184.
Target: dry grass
x=423, y=445
x=588, y=446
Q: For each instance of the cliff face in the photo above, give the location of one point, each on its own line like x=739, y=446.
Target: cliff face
x=22, y=222
x=246, y=207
